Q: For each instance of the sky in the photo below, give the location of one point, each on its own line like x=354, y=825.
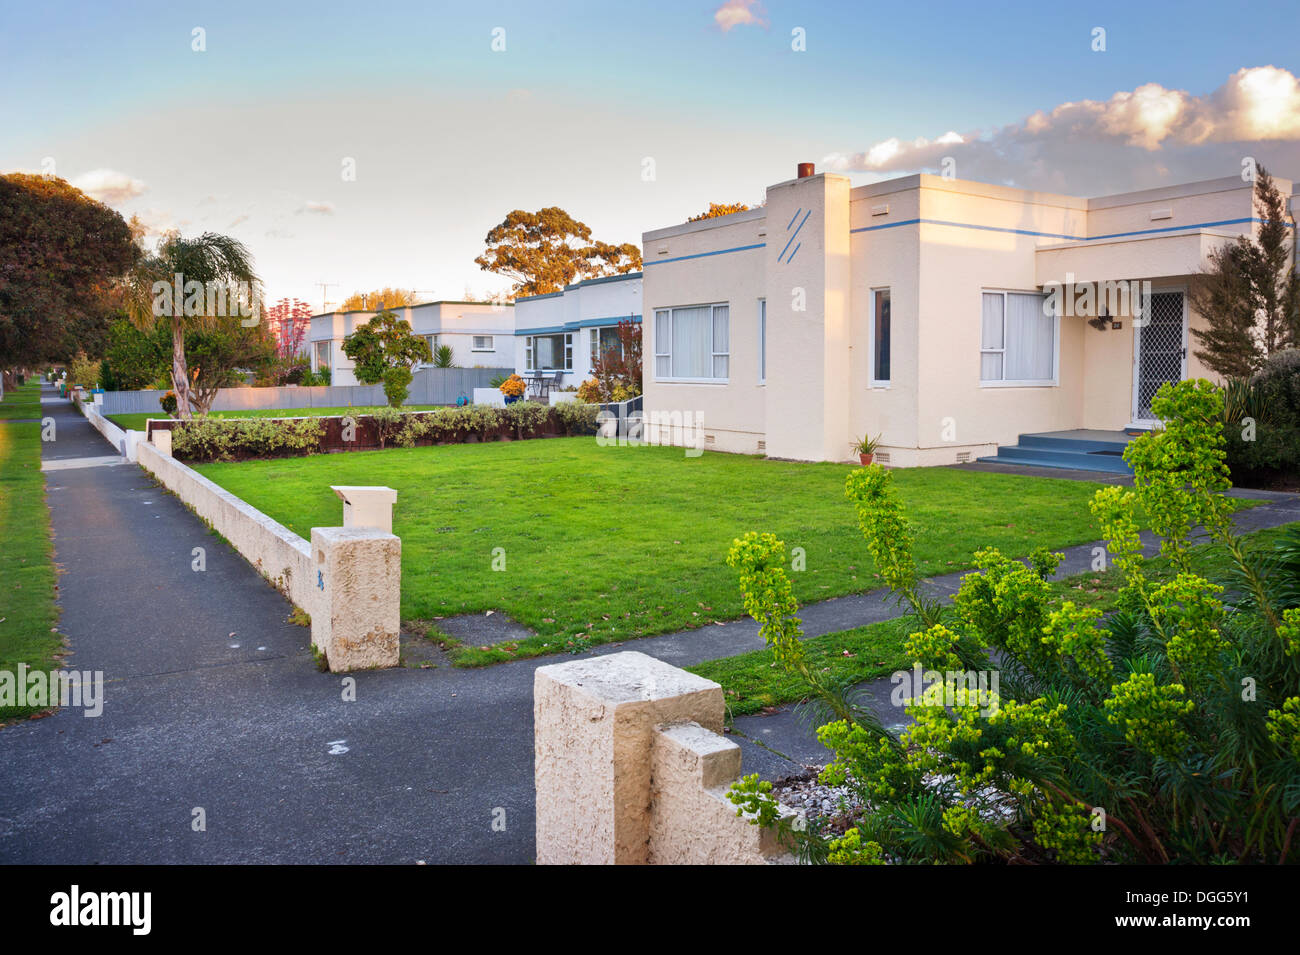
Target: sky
x=375, y=144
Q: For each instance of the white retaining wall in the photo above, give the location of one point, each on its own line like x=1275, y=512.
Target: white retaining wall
x=282, y=556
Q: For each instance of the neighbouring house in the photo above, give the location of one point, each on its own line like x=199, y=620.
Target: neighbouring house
x=559, y=335
x=479, y=334
x=949, y=317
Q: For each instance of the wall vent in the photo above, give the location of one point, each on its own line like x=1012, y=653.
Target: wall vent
x=762, y=445
x=881, y=210
x=882, y=457
x=709, y=439
x=1161, y=214
x=963, y=457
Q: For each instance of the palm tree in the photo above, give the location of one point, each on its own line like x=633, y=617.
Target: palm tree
x=212, y=260
x=443, y=357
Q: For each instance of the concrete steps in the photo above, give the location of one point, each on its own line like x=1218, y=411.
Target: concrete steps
x=1078, y=450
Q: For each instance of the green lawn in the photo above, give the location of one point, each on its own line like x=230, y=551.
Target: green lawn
x=752, y=681
x=27, y=609
x=22, y=402
x=136, y=422
x=605, y=544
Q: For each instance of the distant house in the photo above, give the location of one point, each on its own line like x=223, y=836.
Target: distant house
x=479, y=334
x=560, y=334
x=949, y=317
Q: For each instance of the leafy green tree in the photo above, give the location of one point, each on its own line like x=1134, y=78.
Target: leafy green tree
x=384, y=350
x=196, y=283
x=545, y=250
x=1249, y=293
x=60, y=253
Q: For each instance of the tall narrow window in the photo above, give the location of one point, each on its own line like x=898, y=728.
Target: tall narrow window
x=762, y=339
x=528, y=353
x=880, y=337
x=322, y=355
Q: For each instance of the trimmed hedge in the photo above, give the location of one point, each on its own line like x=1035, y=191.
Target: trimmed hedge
x=1272, y=399
x=229, y=439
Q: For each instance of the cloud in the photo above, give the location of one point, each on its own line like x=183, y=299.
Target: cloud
x=156, y=222
x=735, y=13
x=1133, y=139
x=318, y=208
x=109, y=185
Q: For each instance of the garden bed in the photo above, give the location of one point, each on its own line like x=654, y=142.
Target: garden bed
x=239, y=439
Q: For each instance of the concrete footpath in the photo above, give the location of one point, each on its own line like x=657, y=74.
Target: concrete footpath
x=213, y=704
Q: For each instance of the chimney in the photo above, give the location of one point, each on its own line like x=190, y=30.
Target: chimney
x=806, y=169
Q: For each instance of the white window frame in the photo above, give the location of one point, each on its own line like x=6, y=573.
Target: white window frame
x=593, y=341
x=315, y=354
x=530, y=352
x=1004, y=382
x=713, y=354
x=490, y=339
x=762, y=341
x=871, y=333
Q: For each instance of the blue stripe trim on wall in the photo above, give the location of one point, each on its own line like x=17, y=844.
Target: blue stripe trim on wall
x=700, y=255
x=1056, y=235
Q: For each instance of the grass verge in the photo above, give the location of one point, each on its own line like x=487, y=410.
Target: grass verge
x=27, y=579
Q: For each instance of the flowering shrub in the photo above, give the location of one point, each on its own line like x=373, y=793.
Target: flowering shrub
x=513, y=387
x=1167, y=732
x=168, y=402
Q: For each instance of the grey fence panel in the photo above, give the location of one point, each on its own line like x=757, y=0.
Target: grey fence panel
x=430, y=386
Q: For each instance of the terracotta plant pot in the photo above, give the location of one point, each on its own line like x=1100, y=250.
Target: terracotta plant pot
x=865, y=459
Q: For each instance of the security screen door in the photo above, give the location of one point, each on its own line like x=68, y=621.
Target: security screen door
x=1160, y=352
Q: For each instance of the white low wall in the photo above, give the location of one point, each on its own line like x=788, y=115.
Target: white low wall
x=278, y=553
x=124, y=441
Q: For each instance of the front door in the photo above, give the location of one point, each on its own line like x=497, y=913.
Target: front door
x=1159, y=350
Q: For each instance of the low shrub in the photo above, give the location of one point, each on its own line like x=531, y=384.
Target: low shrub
x=577, y=417
x=525, y=417
x=224, y=439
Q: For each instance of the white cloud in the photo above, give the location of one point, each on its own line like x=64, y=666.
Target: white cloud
x=735, y=13
x=1135, y=138
x=109, y=185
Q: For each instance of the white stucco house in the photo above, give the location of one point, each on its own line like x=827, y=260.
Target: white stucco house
x=955, y=319
x=560, y=334
x=480, y=334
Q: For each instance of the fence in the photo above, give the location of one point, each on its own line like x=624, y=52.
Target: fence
x=430, y=386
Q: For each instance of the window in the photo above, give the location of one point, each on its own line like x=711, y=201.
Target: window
x=483, y=343
x=762, y=340
x=548, y=352
x=880, y=329
x=322, y=355
x=432, y=342
x=693, y=344
x=603, y=340
x=1017, y=339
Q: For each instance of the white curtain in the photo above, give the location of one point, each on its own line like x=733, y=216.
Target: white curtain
x=663, y=352
x=991, y=338
x=1029, y=339
x=692, y=334
x=721, y=340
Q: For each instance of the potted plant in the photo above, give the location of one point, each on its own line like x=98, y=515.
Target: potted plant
x=513, y=388
x=865, y=447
